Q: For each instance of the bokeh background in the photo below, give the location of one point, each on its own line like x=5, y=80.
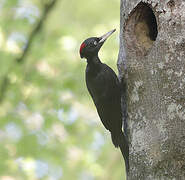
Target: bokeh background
x=49, y=128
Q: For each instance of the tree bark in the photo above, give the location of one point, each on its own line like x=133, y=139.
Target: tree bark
x=152, y=63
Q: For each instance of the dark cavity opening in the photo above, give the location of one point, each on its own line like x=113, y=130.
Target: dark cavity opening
x=141, y=28
x=149, y=17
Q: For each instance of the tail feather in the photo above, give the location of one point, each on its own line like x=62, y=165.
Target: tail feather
x=120, y=140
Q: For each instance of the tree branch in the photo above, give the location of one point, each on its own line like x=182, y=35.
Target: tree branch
x=37, y=29
x=5, y=81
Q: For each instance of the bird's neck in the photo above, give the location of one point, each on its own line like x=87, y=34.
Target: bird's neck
x=93, y=66
x=93, y=61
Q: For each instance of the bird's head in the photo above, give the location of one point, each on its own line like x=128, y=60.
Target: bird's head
x=91, y=46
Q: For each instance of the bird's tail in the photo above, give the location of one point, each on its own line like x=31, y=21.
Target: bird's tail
x=120, y=140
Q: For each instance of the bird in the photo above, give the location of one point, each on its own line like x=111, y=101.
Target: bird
x=105, y=89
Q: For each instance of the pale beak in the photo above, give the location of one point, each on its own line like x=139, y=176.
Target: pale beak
x=105, y=36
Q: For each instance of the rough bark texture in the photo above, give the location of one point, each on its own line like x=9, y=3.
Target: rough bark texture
x=152, y=61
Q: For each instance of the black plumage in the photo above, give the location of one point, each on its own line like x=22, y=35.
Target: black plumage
x=104, y=88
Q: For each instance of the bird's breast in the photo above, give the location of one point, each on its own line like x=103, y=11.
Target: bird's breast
x=95, y=85
x=102, y=84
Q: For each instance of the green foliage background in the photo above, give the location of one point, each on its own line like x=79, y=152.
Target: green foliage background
x=49, y=128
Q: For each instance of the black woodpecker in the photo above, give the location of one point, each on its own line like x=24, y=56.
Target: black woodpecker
x=104, y=88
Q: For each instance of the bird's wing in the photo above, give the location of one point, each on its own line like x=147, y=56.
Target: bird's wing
x=107, y=98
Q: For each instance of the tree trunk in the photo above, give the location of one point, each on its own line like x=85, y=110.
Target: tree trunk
x=152, y=62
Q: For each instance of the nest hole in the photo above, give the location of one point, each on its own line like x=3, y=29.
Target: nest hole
x=141, y=28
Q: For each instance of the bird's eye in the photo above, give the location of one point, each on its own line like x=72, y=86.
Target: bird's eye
x=95, y=43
